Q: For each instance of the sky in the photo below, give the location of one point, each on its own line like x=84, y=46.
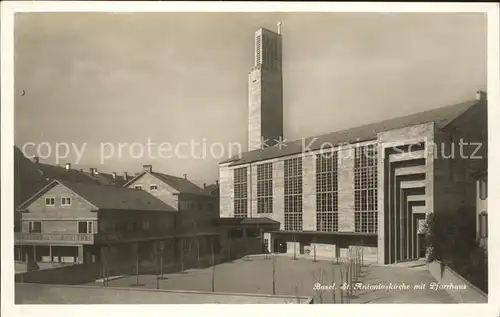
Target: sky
x=92, y=81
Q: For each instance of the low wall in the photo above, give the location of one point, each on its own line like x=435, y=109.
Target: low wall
x=446, y=276
x=69, y=275
x=329, y=251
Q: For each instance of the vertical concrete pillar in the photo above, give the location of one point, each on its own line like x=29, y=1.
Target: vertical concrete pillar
x=279, y=193
x=80, y=254
x=50, y=253
x=346, y=190
x=309, y=192
x=34, y=253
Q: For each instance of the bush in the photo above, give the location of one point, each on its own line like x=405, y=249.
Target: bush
x=451, y=239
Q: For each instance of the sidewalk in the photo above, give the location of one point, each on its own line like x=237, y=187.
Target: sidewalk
x=408, y=274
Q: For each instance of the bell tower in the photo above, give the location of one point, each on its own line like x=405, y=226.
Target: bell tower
x=265, y=85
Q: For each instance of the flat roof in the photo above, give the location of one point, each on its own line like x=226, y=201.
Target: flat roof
x=29, y=293
x=323, y=233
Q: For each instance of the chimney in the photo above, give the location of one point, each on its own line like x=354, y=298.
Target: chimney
x=185, y=176
x=93, y=171
x=147, y=168
x=114, y=175
x=204, y=185
x=217, y=182
x=279, y=27
x=36, y=159
x=480, y=95
x=68, y=166
x=125, y=176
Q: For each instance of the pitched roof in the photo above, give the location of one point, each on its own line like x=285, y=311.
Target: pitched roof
x=183, y=185
x=74, y=175
x=441, y=117
x=212, y=190
x=110, y=197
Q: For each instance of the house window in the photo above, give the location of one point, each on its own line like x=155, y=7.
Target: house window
x=86, y=227
x=293, y=194
x=327, y=192
x=236, y=233
x=66, y=201
x=253, y=233
x=483, y=225
x=153, y=188
x=265, y=188
x=240, y=192
x=365, y=189
x=35, y=227
x=187, y=246
x=138, y=186
x=483, y=188
x=50, y=201
x=145, y=224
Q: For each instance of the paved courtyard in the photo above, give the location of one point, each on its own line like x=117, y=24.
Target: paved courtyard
x=296, y=278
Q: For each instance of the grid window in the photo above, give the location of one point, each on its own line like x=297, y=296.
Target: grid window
x=265, y=188
x=85, y=227
x=365, y=178
x=240, y=192
x=365, y=188
x=50, y=201
x=138, y=186
x=366, y=221
x=153, y=188
x=293, y=194
x=327, y=192
x=66, y=201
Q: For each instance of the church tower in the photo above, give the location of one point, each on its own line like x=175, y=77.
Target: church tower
x=265, y=86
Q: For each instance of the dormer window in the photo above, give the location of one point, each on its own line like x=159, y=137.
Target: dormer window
x=66, y=201
x=138, y=186
x=50, y=201
x=153, y=188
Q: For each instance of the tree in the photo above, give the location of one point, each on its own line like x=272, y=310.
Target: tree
x=295, y=247
x=314, y=250
x=451, y=239
x=213, y=266
x=274, y=273
x=162, y=251
x=318, y=278
x=135, y=254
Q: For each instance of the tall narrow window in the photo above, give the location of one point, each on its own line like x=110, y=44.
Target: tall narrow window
x=265, y=188
x=35, y=226
x=327, y=192
x=240, y=192
x=293, y=194
x=483, y=188
x=365, y=189
x=483, y=225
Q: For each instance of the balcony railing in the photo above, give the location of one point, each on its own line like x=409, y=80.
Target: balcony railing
x=99, y=238
x=32, y=237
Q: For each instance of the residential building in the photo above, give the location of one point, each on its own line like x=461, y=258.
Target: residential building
x=481, y=176
x=69, y=222
x=196, y=208
x=30, y=176
x=370, y=186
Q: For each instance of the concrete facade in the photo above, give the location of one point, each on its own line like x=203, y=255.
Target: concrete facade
x=265, y=92
x=415, y=177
